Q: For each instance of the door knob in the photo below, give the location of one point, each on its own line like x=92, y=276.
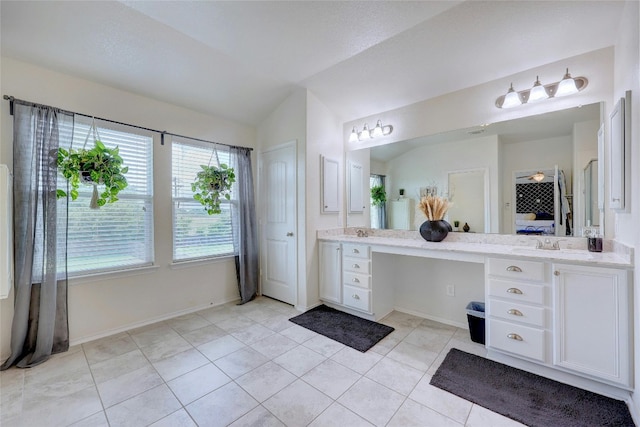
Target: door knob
x=289, y=234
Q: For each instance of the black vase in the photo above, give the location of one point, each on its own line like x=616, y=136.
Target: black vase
x=435, y=231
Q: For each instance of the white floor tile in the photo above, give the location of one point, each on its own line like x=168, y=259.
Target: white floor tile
x=222, y=406
x=265, y=381
x=299, y=360
x=413, y=414
x=331, y=378
x=195, y=384
x=441, y=401
x=337, y=415
x=481, y=417
x=144, y=409
x=372, y=401
x=298, y=404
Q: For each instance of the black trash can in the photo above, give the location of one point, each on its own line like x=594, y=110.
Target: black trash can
x=475, y=316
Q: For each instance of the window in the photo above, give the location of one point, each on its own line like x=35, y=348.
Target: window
x=197, y=234
x=117, y=235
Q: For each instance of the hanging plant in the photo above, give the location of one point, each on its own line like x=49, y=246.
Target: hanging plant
x=212, y=184
x=378, y=195
x=97, y=166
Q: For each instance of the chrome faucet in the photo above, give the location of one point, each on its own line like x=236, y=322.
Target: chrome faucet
x=548, y=244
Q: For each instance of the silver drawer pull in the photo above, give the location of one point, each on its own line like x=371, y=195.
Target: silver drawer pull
x=514, y=337
x=355, y=251
x=355, y=296
x=355, y=280
x=514, y=291
x=515, y=312
x=355, y=266
x=514, y=268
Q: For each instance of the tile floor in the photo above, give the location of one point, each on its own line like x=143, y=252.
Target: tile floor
x=244, y=366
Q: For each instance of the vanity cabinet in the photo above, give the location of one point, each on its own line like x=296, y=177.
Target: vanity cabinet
x=573, y=318
x=592, y=318
x=518, y=307
x=356, y=276
x=330, y=258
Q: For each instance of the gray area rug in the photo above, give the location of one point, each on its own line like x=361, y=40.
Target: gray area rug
x=353, y=331
x=525, y=397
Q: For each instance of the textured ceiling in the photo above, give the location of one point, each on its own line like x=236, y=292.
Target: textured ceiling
x=240, y=59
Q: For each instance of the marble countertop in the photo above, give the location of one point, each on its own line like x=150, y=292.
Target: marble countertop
x=573, y=249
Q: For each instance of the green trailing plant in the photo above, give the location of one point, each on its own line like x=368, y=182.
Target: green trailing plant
x=212, y=184
x=378, y=195
x=97, y=166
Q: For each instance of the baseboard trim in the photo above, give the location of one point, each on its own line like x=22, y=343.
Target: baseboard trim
x=430, y=317
x=634, y=408
x=107, y=333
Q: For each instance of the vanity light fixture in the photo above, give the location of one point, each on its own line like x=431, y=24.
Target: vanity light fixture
x=537, y=177
x=377, y=131
x=567, y=86
x=538, y=92
x=365, y=134
x=354, y=135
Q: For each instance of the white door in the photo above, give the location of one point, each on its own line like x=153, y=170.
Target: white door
x=279, y=241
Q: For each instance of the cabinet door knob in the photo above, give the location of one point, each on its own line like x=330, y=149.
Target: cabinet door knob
x=514, y=268
x=355, y=296
x=515, y=312
x=355, y=280
x=514, y=291
x=355, y=266
x=355, y=251
x=556, y=273
x=514, y=337
x=289, y=234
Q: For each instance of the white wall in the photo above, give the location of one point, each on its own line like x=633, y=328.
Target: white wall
x=531, y=155
x=627, y=77
x=475, y=105
x=420, y=285
x=287, y=123
x=106, y=304
x=324, y=138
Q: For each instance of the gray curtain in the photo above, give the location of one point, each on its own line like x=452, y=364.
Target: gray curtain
x=247, y=267
x=40, y=325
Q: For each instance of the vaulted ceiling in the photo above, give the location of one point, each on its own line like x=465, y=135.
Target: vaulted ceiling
x=240, y=59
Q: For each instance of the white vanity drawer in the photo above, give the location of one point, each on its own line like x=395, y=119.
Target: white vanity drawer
x=357, y=298
x=517, y=291
x=355, y=251
x=356, y=265
x=357, y=279
x=511, y=311
x=518, y=339
x=516, y=269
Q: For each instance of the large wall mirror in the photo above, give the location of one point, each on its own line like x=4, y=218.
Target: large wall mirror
x=490, y=173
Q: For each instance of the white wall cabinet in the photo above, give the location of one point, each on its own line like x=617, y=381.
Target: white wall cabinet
x=330, y=272
x=330, y=185
x=591, y=322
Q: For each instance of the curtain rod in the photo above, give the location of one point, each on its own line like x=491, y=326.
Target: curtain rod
x=162, y=133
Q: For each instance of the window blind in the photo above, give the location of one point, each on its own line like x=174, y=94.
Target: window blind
x=117, y=235
x=197, y=234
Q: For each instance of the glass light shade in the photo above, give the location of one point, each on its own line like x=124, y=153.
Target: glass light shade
x=354, y=135
x=511, y=99
x=567, y=86
x=377, y=131
x=537, y=92
x=365, y=133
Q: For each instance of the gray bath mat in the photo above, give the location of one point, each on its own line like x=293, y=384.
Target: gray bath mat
x=525, y=397
x=353, y=331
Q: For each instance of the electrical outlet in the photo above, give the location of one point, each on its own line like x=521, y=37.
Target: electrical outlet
x=451, y=290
